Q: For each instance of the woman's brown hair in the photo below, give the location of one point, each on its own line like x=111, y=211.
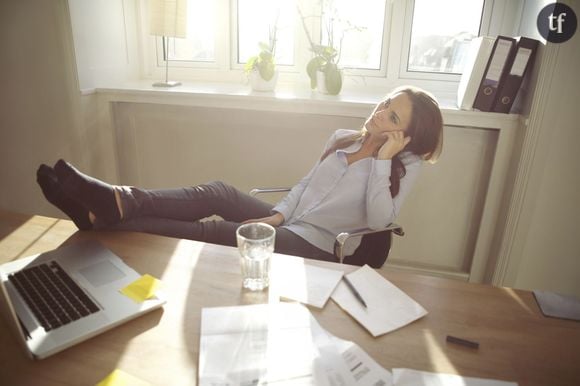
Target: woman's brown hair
x=425, y=130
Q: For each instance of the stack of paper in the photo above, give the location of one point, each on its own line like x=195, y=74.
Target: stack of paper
x=279, y=344
x=282, y=343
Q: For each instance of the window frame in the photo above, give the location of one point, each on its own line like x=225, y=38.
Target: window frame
x=221, y=46
x=497, y=18
x=403, y=62
x=299, y=41
x=404, y=73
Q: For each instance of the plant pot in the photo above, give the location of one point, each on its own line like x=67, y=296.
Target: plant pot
x=259, y=84
x=324, y=88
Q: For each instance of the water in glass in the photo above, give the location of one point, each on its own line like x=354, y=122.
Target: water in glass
x=256, y=245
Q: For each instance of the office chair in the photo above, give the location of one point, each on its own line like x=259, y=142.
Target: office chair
x=373, y=249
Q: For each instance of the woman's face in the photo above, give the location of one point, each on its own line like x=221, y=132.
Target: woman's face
x=393, y=114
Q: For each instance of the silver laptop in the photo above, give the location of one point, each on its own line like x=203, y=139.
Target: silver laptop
x=57, y=299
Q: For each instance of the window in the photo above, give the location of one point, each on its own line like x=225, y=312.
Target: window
x=200, y=43
x=381, y=42
x=356, y=30
x=439, y=38
x=268, y=22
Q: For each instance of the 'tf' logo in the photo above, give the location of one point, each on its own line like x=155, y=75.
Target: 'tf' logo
x=560, y=20
x=557, y=22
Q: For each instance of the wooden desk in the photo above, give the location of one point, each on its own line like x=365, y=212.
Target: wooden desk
x=516, y=342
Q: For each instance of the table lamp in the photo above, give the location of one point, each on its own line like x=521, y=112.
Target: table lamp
x=168, y=18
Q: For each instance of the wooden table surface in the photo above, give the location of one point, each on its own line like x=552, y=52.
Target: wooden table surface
x=517, y=343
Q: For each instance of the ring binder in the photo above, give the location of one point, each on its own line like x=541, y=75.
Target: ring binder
x=473, y=71
x=518, y=68
x=495, y=72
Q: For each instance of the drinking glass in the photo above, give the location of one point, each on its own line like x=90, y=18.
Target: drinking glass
x=256, y=245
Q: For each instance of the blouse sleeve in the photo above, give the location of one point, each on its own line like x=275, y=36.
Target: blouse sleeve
x=382, y=209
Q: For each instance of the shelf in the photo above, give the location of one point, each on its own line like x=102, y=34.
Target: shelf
x=287, y=99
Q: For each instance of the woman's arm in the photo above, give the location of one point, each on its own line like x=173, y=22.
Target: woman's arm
x=382, y=209
x=275, y=220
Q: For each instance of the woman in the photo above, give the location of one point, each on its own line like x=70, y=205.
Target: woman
x=359, y=183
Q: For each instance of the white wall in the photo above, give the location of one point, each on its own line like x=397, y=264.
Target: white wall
x=105, y=41
x=540, y=247
x=39, y=119
x=546, y=247
x=43, y=116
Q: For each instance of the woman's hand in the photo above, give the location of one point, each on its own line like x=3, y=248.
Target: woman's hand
x=274, y=220
x=395, y=143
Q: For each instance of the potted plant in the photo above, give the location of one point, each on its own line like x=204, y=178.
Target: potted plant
x=261, y=69
x=322, y=69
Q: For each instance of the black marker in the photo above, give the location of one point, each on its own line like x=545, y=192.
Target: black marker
x=354, y=291
x=463, y=342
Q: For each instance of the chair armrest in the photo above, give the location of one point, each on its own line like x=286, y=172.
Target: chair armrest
x=255, y=191
x=341, y=238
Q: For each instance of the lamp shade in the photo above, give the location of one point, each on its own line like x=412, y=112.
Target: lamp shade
x=168, y=18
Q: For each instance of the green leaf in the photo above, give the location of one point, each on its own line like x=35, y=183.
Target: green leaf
x=318, y=49
x=266, y=56
x=267, y=70
x=333, y=79
x=329, y=53
x=312, y=67
x=251, y=63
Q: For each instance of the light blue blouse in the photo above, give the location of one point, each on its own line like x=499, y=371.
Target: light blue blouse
x=336, y=197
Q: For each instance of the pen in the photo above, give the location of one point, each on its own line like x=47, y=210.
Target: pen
x=463, y=342
x=354, y=291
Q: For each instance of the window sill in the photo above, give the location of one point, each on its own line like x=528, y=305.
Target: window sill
x=288, y=98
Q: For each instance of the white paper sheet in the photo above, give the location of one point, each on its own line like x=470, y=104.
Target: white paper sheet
x=292, y=279
x=388, y=308
x=268, y=344
x=279, y=344
x=408, y=377
x=363, y=368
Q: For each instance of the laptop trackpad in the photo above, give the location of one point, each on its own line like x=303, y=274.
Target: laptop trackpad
x=102, y=273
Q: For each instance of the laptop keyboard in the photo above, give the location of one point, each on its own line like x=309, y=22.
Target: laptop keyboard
x=54, y=298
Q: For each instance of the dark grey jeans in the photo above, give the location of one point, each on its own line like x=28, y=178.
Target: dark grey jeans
x=176, y=213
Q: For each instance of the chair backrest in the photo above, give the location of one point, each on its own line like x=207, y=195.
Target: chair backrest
x=373, y=250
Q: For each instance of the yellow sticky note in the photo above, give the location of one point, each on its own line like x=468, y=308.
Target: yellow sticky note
x=121, y=378
x=142, y=289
